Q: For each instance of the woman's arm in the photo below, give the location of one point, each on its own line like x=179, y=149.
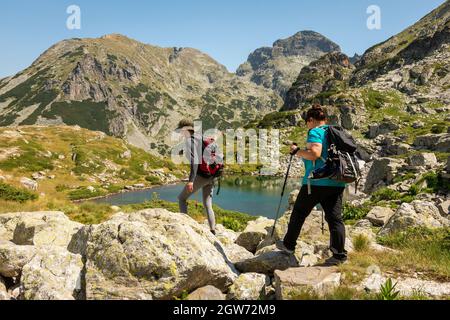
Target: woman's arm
x=313, y=152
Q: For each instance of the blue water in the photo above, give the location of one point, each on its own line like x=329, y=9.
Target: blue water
x=251, y=195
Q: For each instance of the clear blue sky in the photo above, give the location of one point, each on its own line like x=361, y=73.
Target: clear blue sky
x=227, y=30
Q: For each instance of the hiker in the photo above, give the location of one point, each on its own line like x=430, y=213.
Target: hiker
x=326, y=192
x=202, y=175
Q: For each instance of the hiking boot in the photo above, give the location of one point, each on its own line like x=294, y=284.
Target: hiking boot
x=280, y=246
x=332, y=262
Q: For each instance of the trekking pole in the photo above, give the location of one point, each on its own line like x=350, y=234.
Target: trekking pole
x=284, y=189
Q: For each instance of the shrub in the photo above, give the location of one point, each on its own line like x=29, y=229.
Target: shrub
x=153, y=179
x=354, y=213
x=10, y=193
x=385, y=194
x=436, y=129
x=83, y=193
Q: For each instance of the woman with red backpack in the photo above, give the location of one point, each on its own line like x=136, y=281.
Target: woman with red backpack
x=205, y=166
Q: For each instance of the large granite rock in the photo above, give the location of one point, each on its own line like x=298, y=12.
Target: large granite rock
x=426, y=160
x=379, y=216
x=415, y=214
x=386, y=126
x=435, y=142
x=13, y=258
x=248, y=286
x=381, y=173
x=267, y=260
x=153, y=254
x=292, y=282
x=52, y=274
x=206, y=293
x=45, y=228
x=254, y=233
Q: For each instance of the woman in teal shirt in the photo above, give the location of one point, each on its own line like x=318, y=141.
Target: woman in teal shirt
x=326, y=192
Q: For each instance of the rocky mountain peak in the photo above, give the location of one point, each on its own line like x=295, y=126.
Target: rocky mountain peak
x=278, y=66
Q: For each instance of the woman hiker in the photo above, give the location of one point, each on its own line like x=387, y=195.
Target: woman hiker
x=197, y=179
x=326, y=192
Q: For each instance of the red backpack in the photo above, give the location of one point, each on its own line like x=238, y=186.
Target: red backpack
x=212, y=161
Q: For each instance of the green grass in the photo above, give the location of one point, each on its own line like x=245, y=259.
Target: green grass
x=10, y=193
x=422, y=249
x=29, y=159
x=361, y=243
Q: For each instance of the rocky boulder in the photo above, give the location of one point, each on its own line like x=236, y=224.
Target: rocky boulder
x=415, y=214
x=153, y=254
x=248, y=286
x=426, y=160
x=382, y=173
x=44, y=228
x=206, y=293
x=13, y=258
x=291, y=283
x=52, y=274
x=267, y=260
x=254, y=233
x=434, y=142
x=386, y=126
x=379, y=216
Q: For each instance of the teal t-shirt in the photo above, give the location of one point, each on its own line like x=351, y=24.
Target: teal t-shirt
x=318, y=135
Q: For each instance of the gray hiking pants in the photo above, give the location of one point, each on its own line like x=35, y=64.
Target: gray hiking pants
x=207, y=186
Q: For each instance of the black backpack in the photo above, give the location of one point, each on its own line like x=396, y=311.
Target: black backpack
x=342, y=162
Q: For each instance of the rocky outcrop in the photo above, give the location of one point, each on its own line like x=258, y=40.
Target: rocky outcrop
x=323, y=75
x=277, y=67
x=434, y=142
x=418, y=213
x=382, y=173
x=386, y=126
x=153, y=254
x=248, y=286
x=52, y=274
x=426, y=160
x=291, y=283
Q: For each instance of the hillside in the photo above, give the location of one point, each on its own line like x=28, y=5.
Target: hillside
x=130, y=90
x=278, y=66
x=57, y=164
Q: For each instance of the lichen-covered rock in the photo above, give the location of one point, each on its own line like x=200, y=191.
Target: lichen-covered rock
x=236, y=253
x=52, y=274
x=427, y=160
x=153, y=254
x=4, y=295
x=248, y=286
x=267, y=260
x=415, y=214
x=292, y=282
x=13, y=258
x=379, y=216
x=45, y=228
x=207, y=293
x=254, y=233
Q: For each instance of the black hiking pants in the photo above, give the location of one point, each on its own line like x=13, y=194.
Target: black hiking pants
x=330, y=198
